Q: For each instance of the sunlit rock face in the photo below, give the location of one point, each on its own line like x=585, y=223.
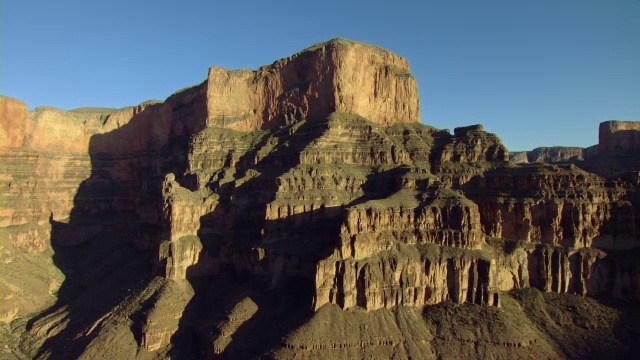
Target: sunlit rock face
x=313, y=181
x=336, y=76
x=619, y=136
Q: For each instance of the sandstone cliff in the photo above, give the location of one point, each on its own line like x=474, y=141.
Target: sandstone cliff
x=302, y=194
x=336, y=76
x=618, y=136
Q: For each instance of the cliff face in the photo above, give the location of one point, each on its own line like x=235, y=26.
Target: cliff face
x=619, y=136
x=70, y=177
x=554, y=154
x=15, y=124
x=615, y=154
x=307, y=185
x=560, y=205
x=337, y=76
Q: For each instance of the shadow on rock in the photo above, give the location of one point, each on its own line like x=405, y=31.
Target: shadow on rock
x=106, y=247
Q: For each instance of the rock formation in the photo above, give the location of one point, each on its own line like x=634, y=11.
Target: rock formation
x=613, y=156
x=619, y=136
x=337, y=76
x=303, y=194
x=555, y=154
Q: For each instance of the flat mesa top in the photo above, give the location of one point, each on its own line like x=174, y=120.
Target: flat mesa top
x=339, y=42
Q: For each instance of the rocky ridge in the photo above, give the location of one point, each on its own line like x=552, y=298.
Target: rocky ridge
x=307, y=185
x=555, y=154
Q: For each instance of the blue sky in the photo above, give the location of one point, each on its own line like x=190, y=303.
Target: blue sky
x=536, y=72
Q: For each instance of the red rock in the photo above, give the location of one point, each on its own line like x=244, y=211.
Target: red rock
x=15, y=124
x=337, y=76
x=619, y=136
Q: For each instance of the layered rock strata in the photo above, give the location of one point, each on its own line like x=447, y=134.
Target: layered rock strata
x=310, y=177
x=619, y=136
x=613, y=156
x=554, y=154
x=551, y=204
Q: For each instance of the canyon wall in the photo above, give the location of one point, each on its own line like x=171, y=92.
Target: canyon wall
x=619, y=136
x=311, y=176
x=554, y=154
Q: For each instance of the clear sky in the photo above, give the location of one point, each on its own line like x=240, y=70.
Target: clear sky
x=536, y=72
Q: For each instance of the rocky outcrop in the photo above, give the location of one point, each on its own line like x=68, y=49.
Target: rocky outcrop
x=300, y=209
x=330, y=175
x=414, y=276
x=587, y=271
x=554, y=154
x=619, y=136
x=15, y=125
x=289, y=90
x=518, y=157
x=235, y=317
x=443, y=217
x=162, y=320
x=337, y=76
x=472, y=144
x=70, y=176
x=613, y=156
x=549, y=204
